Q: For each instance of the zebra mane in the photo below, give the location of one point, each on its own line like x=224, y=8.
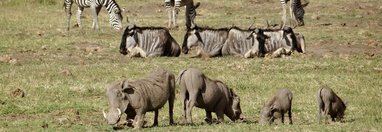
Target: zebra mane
x=116, y=4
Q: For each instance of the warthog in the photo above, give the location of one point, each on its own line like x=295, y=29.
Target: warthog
x=211, y=95
x=135, y=98
x=330, y=104
x=280, y=103
x=148, y=42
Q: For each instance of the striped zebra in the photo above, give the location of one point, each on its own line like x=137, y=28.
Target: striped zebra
x=115, y=12
x=296, y=12
x=173, y=9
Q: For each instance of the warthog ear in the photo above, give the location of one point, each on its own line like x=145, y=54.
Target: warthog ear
x=273, y=108
x=127, y=88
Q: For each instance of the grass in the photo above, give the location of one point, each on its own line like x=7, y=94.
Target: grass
x=64, y=73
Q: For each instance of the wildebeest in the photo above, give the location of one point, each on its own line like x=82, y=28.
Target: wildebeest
x=212, y=95
x=208, y=41
x=148, y=42
x=279, y=42
x=330, y=104
x=135, y=98
x=237, y=43
x=280, y=103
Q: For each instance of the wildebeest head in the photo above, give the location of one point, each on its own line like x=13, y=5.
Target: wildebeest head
x=191, y=39
x=116, y=17
x=117, y=102
x=266, y=114
x=260, y=37
x=238, y=115
x=129, y=39
x=297, y=44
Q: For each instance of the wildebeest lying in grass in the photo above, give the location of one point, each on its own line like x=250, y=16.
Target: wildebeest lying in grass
x=135, y=98
x=148, y=42
x=280, y=103
x=208, y=41
x=237, y=43
x=330, y=104
x=279, y=42
x=212, y=95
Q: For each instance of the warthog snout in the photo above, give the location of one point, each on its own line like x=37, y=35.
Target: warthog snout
x=112, y=117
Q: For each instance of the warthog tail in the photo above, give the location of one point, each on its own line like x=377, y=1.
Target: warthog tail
x=180, y=76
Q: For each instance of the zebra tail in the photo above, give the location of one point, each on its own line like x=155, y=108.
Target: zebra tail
x=305, y=4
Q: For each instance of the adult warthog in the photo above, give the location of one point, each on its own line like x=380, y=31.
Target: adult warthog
x=330, y=104
x=135, y=98
x=211, y=95
x=148, y=42
x=280, y=103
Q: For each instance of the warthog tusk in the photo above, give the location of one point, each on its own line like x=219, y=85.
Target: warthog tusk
x=104, y=114
x=119, y=112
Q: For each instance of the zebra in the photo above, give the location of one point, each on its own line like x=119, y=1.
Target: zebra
x=115, y=12
x=173, y=9
x=296, y=12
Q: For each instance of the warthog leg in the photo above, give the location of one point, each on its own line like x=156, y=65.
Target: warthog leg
x=190, y=105
x=208, y=117
x=290, y=115
x=156, y=118
x=139, y=120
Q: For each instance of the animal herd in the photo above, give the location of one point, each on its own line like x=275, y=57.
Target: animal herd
x=208, y=42
x=136, y=97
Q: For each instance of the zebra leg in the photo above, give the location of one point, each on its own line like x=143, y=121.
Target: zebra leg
x=95, y=16
x=292, y=20
x=68, y=10
x=170, y=16
x=169, y=12
x=284, y=17
x=79, y=14
x=175, y=12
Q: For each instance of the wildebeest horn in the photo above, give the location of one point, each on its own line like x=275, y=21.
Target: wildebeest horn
x=250, y=26
x=104, y=114
x=267, y=21
x=250, y=35
x=119, y=112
